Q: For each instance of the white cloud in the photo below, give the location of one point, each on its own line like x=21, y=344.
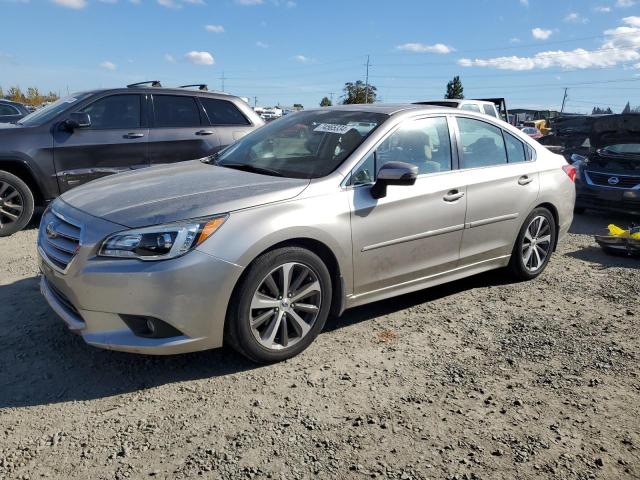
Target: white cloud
x=214, y=28
x=302, y=59
x=632, y=21
x=514, y=40
x=620, y=47
x=135, y=2
x=574, y=17
x=261, y=44
x=195, y=2
x=625, y=3
x=602, y=9
x=76, y=4
x=540, y=33
x=169, y=4
x=440, y=48
x=199, y=58
x=107, y=65
x=108, y=1
x=248, y=3
x=169, y=58
x=524, y=3
x=290, y=4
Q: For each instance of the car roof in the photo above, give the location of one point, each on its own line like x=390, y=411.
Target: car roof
x=387, y=108
x=4, y=100
x=181, y=91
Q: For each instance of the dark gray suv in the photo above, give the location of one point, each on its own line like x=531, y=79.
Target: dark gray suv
x=92, y=134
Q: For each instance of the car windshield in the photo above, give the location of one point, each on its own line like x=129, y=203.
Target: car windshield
x=623, y=149
x=45, y=114
x=301, y=145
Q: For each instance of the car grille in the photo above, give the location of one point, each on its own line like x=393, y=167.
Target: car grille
x=63, y=299
x=624, y=181
x=59, y=239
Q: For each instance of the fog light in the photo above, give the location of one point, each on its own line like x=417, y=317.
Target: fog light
x=151, y=327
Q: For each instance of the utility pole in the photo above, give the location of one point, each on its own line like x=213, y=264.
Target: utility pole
x=255, y=102
x=222, y=79
x=366, y=87
x=564, y=99
x=331, y=97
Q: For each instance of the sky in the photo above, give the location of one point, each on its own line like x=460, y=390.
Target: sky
x=298, y=51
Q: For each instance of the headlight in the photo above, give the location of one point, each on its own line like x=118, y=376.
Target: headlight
x=162, y=241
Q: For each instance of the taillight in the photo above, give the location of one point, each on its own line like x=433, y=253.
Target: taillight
x=571, y=171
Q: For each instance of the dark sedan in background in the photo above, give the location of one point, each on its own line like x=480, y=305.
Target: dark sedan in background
x=608, y=177
x=11, y=112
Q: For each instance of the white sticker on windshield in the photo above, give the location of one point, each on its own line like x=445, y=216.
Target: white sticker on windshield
x=333, y=128
x=70, y=99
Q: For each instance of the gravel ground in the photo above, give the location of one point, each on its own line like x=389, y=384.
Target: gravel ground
x=481, y=378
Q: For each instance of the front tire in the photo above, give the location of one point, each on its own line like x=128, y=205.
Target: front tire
x=280, y=305
x=534, y=245
x=16, y=204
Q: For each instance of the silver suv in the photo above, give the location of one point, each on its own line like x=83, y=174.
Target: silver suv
x=310, y=215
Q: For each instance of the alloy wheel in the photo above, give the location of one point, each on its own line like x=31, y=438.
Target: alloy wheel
x=536, y=244
x=11, y=204
x=285, y=306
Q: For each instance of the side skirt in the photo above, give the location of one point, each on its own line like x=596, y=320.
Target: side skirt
x=426, y=282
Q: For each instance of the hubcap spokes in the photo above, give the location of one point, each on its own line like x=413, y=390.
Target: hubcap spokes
x=11, y=204
x=536, y=243
x=285, y=306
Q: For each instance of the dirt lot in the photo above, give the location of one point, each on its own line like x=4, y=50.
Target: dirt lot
x=481, y=378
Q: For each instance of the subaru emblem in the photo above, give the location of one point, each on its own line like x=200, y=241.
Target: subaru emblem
x=51, y=231
x=613, y=180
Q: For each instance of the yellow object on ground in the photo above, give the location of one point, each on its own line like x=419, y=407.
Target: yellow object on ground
x=616, y=231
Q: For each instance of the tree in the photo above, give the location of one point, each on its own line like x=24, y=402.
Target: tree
x=298, y=106
x=16, y=95
x=455, y=89
x=1, y=93
x=33, y=97
x=358, y=92
x=325, y=102
x=627, y=108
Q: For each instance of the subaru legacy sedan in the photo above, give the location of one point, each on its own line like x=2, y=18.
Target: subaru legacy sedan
x=310, y=215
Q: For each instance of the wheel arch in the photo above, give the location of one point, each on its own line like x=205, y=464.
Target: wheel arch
x=21, y=170
x=556, y=219
x=338, y=299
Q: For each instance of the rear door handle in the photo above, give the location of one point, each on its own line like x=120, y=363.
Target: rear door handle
x=205, y=132
x=525, y=180
x=453, y=195
x=134, y=135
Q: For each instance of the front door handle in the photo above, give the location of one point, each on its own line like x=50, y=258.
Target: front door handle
x=525, y=180
x=134, y=135
x=453, y=195
x=205, y=132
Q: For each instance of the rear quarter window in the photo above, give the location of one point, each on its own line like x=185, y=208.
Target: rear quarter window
x=222, y=112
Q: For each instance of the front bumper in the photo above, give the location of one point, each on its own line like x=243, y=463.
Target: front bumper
x=619, y=200
x=190, y=293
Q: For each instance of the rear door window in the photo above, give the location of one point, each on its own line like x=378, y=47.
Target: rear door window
x=470, y=106
x=222, y=112
x=515, y=149
x=489, y=110
x=114, y=111
x=8, y=110
x=482, y=143
x=176, y=111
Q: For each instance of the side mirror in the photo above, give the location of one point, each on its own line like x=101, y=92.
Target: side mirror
x=393, y=173
x=77, y=120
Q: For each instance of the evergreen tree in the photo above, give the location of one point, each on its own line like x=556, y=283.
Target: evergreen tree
x=455, y=89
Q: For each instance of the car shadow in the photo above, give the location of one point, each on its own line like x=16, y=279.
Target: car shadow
x=42, y=363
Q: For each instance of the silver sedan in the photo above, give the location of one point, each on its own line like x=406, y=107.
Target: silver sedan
x=310, y=215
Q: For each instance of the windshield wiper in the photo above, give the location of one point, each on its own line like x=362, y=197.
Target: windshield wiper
x=251, y=168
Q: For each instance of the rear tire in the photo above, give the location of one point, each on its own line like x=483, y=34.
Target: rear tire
x=280, y=305
x=16, y=204
x=534, y=245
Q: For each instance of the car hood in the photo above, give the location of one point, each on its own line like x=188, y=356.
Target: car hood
x=615, y=129
x=7, y=126
x=180, y=191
